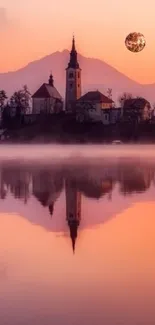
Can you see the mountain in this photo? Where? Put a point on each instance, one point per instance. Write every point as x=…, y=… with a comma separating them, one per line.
x=96, y=74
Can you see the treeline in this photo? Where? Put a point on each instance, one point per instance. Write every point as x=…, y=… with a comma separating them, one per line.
x=13, y=109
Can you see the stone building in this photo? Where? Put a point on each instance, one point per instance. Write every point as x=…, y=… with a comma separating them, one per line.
x=96, y=107
x=47, y=99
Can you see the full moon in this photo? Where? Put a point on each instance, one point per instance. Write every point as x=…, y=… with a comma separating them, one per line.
x=135, y=42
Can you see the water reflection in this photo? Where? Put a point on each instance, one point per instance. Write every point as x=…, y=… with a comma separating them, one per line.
x=47, y=187
x=110, y=278
x=99, y=181
x=94, y=181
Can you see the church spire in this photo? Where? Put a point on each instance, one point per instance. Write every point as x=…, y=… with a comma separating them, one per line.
x=51, y=81
x=73, y=225
x=51, y=208
x=73, y=63
x=73, y=244
x=73, y=44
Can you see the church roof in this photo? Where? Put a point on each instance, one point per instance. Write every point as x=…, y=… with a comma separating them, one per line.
x=95, y=96
x=47, y=91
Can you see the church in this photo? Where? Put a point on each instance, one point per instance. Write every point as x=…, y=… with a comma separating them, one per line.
x=91, y=106
x=47, y=99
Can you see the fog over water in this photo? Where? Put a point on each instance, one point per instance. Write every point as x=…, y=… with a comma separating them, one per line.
x=57, y=152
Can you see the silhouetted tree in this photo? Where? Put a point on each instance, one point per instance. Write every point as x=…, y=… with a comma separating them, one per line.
x=109, y=93
x=3, y=98
x=7, y=117
x=18, y=105
x=21, y=100
x=124, y=97
x=153, y=110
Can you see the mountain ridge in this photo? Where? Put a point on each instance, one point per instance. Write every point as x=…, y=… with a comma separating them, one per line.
x=96, y=74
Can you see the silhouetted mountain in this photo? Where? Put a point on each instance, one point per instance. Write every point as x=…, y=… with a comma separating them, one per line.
x=96, y=74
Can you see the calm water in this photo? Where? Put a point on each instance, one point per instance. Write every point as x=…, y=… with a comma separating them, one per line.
x=77, y=240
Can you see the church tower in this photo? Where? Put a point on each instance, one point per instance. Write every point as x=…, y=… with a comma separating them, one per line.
x=73, y=209
x=73, y=80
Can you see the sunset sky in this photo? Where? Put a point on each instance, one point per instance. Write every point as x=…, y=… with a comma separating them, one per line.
x=32, y=29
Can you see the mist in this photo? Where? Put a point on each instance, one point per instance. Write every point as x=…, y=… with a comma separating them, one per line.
x=73, y=153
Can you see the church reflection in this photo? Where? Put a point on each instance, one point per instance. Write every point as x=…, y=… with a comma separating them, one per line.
x=93, y=182
x=135, y=180
x=47, y=187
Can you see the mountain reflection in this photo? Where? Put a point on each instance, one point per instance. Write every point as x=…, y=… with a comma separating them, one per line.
x=92, y=181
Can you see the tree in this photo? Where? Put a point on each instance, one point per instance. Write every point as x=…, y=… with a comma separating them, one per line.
x=124, y=97
x=21, y=100
x=27, y=96
x=19, y=104
x=109, y=93
x=6, y=117
x=3, y=98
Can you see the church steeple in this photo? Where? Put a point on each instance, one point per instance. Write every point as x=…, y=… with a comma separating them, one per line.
x=73, y=44
x=73, y=80
x=73, y=63
x=50, y=81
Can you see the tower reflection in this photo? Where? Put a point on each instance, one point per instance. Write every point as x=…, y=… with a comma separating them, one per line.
x=73, y=209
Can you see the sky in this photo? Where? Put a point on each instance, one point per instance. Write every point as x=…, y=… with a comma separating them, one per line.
x=30, y=30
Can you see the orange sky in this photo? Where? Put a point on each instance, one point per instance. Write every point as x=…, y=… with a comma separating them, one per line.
x=32, y=29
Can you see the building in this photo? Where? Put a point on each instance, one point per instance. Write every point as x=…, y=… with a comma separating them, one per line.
x=115, y=115
x=73, y=209
x=138, y=109
x=95, y=106
x=73, y=80
x=47, y=99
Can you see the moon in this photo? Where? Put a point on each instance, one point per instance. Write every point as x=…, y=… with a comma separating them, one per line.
x=135, y=42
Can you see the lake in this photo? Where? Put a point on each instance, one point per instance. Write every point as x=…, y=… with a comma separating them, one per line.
x=77, y=235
